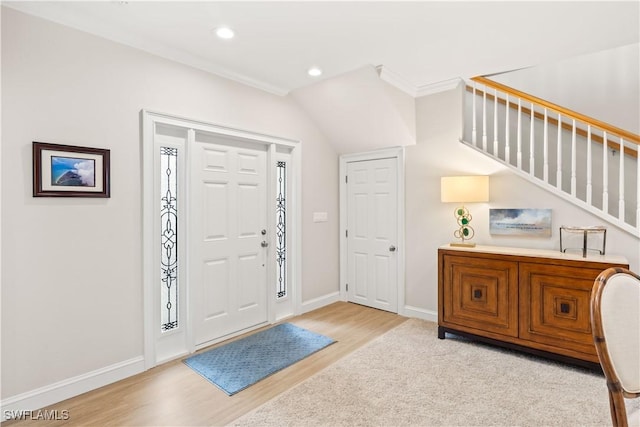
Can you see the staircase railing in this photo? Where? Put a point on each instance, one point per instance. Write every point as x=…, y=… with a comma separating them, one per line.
x=586, y=161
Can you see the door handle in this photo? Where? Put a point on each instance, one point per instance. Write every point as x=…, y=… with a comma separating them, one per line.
x=264, y=244
x=392, y=248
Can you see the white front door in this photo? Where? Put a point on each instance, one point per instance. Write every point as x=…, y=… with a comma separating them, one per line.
x=372, y=262
x=208, y=192
x=228, y=203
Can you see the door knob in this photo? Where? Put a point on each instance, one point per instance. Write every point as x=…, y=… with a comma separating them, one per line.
x=392, y=248
x=264, y=244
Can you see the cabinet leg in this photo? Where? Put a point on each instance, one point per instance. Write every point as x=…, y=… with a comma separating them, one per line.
x=441, y=332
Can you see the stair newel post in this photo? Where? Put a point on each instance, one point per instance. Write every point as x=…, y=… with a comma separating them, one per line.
x=559, y=155
x=532, y=159
x=605, y=173
x=484, y=120
x=545, y=147
x=474, y=138
x=589, y=163
x=519, y=153
x=573, y=158
x=507, y=150
x=621, y=183
x=495, y=123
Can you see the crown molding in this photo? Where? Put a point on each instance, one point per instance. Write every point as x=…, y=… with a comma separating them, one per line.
x=396, y=80
x=407, y=87
x=212, y=68
x=240, y=78
x=438, y=87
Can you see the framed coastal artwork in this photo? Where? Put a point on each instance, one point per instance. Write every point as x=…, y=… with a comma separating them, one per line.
x=70, y=171
x=520, y=222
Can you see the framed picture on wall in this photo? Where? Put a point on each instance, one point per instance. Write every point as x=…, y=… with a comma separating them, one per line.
x=70, y=171
x=520, y=222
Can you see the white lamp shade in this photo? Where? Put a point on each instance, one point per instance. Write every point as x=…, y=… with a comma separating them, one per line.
x=464, y=189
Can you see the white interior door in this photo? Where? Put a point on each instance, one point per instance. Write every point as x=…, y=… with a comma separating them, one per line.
x=372, y=203
x=228, y=203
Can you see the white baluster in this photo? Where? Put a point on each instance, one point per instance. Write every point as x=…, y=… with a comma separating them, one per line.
x=559, y=167
x=605, y=173
x=484, y=119
x=532, y=153
x=474, y=140
x=545, y=169
x=589, y=161
x=621, y=183
x=495, y=122
x=519, y=153
x=507, y=150
x=573, y=159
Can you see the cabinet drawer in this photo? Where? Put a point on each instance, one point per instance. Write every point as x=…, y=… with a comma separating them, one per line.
x=554, y=306
x=481, y=293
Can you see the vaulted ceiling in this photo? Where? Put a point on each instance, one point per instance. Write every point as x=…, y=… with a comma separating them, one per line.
x=417, y=43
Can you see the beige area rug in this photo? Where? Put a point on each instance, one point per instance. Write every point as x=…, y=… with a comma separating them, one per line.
x=408, y=377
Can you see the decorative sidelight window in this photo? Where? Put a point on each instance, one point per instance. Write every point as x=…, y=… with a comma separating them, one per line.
x=169, y=238
x=281, y=227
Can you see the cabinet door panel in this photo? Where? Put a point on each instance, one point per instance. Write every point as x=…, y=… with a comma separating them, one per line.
x=554, y=306
x=482, y=294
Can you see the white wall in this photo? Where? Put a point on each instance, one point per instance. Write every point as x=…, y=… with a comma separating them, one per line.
x=359, y=112
x=71, y=278
x=603, y=85
x=430, y=223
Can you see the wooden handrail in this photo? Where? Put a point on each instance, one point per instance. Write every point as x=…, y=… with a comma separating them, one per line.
x=626, y=135
x=565, y=125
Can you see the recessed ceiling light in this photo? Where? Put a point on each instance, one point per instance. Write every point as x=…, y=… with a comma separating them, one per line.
x=225, y=33
x=314, y=71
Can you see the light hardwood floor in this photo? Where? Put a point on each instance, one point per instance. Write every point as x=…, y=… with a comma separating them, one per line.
x=174, y=395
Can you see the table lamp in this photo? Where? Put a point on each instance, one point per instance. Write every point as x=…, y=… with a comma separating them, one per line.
x=464, y=189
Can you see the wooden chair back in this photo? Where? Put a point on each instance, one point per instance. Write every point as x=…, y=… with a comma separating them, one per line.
x=615, y=323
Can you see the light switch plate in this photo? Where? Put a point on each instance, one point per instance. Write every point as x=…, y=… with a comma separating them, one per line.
x=319, y=217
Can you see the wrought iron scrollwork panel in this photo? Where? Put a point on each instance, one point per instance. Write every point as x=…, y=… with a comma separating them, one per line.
x=281, y=228
x=169, y=238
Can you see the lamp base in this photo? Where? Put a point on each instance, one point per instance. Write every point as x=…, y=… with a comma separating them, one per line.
x=463, y=245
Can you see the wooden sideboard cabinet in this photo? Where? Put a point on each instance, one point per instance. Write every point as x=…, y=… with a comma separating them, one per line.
x=528, y=299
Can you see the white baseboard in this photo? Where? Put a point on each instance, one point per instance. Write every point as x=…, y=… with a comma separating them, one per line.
x=408, y=311
x=283, y=317
x=65, y=389
x=421, y=313
x=316, y=303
